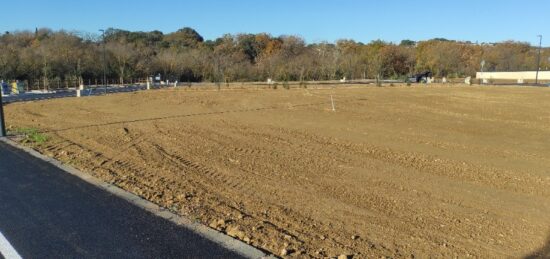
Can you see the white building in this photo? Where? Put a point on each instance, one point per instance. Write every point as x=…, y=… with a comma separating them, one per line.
x=519, y=76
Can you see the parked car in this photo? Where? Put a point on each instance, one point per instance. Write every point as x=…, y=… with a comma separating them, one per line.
x=421, y=77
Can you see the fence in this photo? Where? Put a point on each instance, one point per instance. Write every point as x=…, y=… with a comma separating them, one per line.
x=70, y=84
x=61, y=84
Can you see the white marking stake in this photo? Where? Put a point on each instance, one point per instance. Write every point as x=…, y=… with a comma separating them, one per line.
x=7, y=250
x=332, y=101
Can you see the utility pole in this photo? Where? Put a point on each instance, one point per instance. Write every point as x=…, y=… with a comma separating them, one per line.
x=538, y=60
x=104, y=62
x=2, y=123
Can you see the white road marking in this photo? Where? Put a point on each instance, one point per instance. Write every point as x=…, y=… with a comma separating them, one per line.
x=7, y=250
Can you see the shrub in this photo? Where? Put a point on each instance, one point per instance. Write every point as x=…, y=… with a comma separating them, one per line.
x=286, y=85
x=32, y=136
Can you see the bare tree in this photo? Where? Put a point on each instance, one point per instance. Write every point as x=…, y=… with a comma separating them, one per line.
x=124, y=56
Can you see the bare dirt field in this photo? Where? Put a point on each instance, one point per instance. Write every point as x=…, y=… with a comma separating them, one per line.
x=395, y=171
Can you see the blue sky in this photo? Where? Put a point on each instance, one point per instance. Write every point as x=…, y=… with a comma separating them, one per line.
x=315, y=20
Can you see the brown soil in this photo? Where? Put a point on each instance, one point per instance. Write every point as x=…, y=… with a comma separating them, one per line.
x=394, y=171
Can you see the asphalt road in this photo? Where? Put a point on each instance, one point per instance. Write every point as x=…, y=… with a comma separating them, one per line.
x=48, y=213
x=69, y=93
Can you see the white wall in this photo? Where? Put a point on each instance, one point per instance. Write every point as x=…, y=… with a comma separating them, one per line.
x=526, y=75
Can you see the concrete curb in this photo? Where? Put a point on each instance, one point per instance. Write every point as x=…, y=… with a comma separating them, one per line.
x=219, y=238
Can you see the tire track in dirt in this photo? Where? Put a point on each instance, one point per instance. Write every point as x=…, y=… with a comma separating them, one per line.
x=237, y=184
x=499, y=178
x=406, y=223
x=240, y=185
x=341, y=194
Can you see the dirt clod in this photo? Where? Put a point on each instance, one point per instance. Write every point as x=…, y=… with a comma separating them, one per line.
x=285, y=252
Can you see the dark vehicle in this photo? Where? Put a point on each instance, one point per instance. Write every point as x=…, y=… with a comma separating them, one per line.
x=420, y=78
x=5, y=88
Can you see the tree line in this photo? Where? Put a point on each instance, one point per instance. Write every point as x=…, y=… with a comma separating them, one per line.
x=45, y=55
